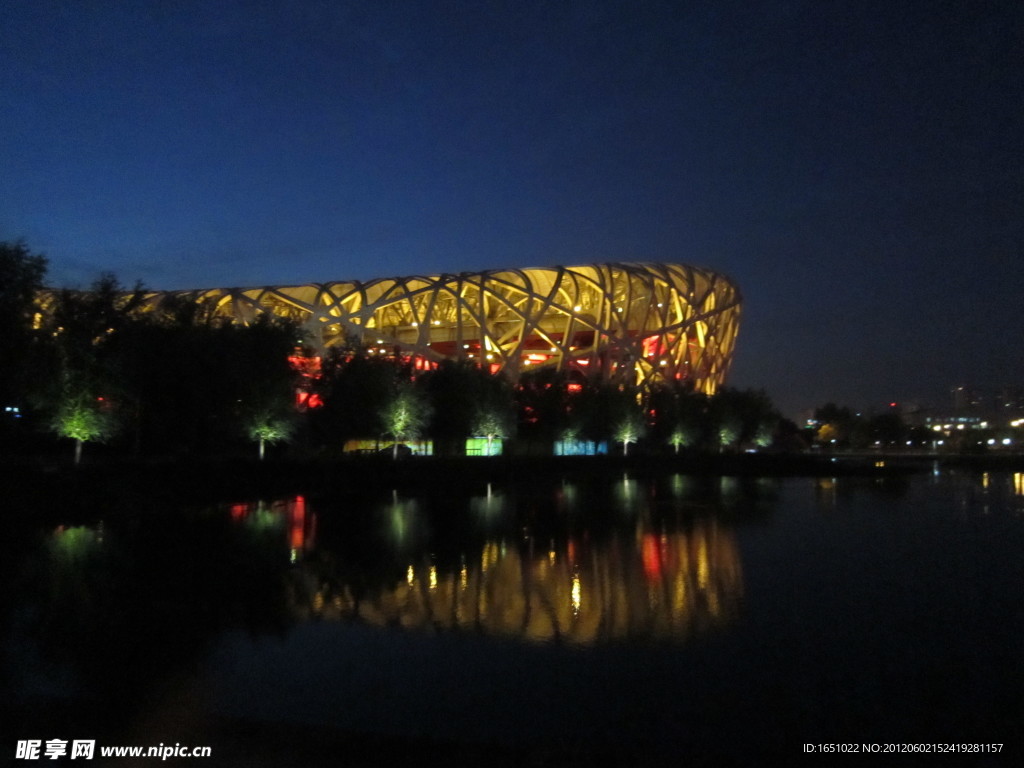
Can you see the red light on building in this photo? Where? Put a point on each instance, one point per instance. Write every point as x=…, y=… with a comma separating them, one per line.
x=309, y=367
x=305, y=399
x=650, y=346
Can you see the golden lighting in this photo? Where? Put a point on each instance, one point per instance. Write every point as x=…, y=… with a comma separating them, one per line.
x=1018, y=483
x=512, y=313
x=671, y=586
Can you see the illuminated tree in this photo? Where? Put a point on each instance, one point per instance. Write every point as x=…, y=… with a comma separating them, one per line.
x=83, y=419
x=682, y=436
x=764, y=436
x=405, y=414
x=265, y=426
x=742, y=417
x=678, y=414
x=355, y=389
x=628, y=429
x=728, y=433
x=492, y=421
x=85, y=378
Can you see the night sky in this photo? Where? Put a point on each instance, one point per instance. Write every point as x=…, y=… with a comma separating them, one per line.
x=857, y=167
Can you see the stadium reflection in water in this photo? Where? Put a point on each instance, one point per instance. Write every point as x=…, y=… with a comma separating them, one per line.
x=636, y=578
x=684, y=617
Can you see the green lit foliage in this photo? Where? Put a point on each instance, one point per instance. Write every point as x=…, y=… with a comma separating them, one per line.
x=266, y=426
x=494, y=421
x=460, y=392
x=83, y=419
x=764, y=436
x=682, y=436
x=355, y=388
x=86, y=379
x=493, y=414
x=742, y=417
x=195, y=383
x=405, y=414
x=263, y=379
x=728, y=433
x=628, y=429
x=606, y=409
x=679, y=415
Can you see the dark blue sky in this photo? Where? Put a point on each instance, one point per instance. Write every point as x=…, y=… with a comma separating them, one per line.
x=857, y=167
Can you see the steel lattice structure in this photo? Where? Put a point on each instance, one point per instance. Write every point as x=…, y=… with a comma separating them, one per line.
x=645, y=321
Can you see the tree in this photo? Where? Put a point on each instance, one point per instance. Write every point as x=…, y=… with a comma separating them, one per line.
x=543, y=404
x=193, y=382
x=405, y=414
x=86, y=384
x=728, y=433
x=628, y=429
x=354, y=388
x=607, y=409
x=455, y=391
x=682, y=436
x=678, y=414
x=742, y=417
x=266, y=426
x=21, y=279
x=83, y=418
x=492, y=420
x=264, y=381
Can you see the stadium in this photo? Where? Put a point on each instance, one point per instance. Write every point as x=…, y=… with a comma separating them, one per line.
x=641, y=323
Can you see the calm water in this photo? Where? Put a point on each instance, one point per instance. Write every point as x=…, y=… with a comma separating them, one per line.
x=683, y=618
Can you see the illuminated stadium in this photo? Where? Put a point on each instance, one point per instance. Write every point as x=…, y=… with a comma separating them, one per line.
x=639, y=322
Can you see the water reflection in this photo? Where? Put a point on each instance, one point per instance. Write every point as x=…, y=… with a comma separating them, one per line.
x=664, y=585
x=111, y=607
x=500, y=565
x=141, y=599
x=267, y=518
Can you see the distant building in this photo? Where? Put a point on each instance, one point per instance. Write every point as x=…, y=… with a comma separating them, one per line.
x=968, y=399
x=639, y=322
x=997, y=405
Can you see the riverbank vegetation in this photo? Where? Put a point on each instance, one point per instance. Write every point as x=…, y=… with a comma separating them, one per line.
x=90, y=374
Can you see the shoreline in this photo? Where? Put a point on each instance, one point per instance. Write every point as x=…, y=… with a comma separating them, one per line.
x=43, y=484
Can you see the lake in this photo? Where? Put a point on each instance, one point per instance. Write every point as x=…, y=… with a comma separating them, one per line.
x=649, y=621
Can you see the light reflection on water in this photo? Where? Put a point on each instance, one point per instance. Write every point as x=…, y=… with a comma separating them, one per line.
x=857, y=596
x=664, y=585
x=635, y=580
